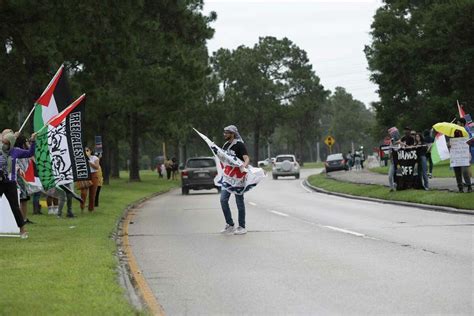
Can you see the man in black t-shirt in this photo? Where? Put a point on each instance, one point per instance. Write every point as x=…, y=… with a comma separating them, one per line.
x=408, y=139
x=235, y=146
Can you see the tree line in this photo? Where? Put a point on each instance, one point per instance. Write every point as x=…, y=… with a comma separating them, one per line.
x=149, y=79
x=422, y=59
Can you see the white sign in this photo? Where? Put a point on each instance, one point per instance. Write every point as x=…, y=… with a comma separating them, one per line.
x=7, y=220
x=459, y=152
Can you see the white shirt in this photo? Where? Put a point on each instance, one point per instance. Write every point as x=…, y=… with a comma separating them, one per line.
x=94, y=160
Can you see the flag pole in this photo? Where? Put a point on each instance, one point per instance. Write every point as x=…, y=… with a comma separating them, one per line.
x=26, y=120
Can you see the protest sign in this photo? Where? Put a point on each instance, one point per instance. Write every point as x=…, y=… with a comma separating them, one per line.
x=407, y=174
x=459, y=152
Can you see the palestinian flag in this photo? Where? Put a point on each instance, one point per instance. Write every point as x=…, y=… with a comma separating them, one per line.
x=439, y=149
x=54, y=98
x=60, y=157
x=31, y=178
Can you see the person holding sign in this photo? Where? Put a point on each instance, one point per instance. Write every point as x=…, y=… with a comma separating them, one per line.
x=8, y=186
x=460, y=160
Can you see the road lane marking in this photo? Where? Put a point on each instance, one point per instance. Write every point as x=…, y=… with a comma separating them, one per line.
x=252, y=203
x=344, y=231
x=279, y=213
x=304, y=187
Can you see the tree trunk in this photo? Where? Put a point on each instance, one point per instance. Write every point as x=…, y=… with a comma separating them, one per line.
x=114, y=160
x=134, y=174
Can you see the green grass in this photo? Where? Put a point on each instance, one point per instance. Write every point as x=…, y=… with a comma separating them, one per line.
x=440, y=170
x=68, y=266
x=434, y=197
x=312, y=165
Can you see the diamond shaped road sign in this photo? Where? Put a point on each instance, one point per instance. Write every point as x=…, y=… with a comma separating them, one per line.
x=329, y=140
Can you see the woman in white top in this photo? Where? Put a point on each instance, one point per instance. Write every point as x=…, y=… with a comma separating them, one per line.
x=94, y=166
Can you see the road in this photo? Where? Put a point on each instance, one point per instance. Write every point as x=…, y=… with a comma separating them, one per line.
x=305, y=254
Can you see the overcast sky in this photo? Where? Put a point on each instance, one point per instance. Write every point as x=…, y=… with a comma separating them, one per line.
x=333, y=33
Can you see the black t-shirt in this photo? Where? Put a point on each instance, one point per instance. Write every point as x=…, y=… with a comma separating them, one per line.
x=238, y=149
x=423, y=149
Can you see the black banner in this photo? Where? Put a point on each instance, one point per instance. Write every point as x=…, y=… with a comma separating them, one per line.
x=406, y=164
x=75, y=131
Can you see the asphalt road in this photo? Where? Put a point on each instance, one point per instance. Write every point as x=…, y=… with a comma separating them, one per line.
x=305, y=254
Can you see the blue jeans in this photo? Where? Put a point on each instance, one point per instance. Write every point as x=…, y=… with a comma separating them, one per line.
x=239, y=199
x=391, y=175
x=424, y=171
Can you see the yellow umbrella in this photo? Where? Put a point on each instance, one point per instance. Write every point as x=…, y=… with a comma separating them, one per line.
x=449, y=128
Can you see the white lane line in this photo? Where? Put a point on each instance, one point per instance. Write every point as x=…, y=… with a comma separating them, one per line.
x=344, y=231
x=279, y=213
x=252, y=203
x=304, y=187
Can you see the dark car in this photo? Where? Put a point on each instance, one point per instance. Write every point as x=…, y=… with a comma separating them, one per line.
x=335, y=162
x=199, y=174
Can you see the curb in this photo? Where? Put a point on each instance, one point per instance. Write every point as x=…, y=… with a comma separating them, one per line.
x=138, y=291
x=427, y=207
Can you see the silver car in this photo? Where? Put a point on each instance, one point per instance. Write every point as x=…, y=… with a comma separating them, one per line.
x=285, y=165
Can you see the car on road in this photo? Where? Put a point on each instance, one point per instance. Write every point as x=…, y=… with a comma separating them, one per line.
x=266, y=162
x=335, y=162
x=199, y=174
x=285, y=165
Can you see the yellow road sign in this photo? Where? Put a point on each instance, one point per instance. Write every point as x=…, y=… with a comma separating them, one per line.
x=329, y=140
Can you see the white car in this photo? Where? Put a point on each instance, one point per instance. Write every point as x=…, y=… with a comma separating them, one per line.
x=285, y=165
x=266, y=162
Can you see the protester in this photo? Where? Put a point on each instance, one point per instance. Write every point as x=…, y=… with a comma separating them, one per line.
x=350, y=160
x=36, y=203
x=65, y=197
x=94, y=166
x=234, y=146
x=23, y=164
x=429, y=141
x=99, y=184
x=8, y=186
x=408, y=139
x=392, y=171
x=52, y=201
x=422, y=160
x=169, y=168
x=461, y=171
x=357, y=160
x=462, y=122
x=174, y=168
x=158, y=169
x=362, y=157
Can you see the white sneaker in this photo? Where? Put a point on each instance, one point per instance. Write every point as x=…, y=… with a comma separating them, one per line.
x=228, y=229
x=240, y=231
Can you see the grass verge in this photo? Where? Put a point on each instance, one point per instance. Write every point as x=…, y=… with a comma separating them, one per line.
x=434, y=197
x=68, y=266
x=440, y=170
x=312, y=165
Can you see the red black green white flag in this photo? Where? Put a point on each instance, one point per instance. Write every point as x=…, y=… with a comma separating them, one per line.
x=60, y=157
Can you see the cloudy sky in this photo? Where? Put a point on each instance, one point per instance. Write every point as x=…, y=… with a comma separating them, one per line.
x=333, y=33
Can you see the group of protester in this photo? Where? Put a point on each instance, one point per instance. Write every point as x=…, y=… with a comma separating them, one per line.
x=356, y=160
x=423, y=143
x=17, y=155
x=169, y=169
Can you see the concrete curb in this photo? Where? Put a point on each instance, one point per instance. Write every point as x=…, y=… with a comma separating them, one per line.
x=428, y=207
x=138, y=291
